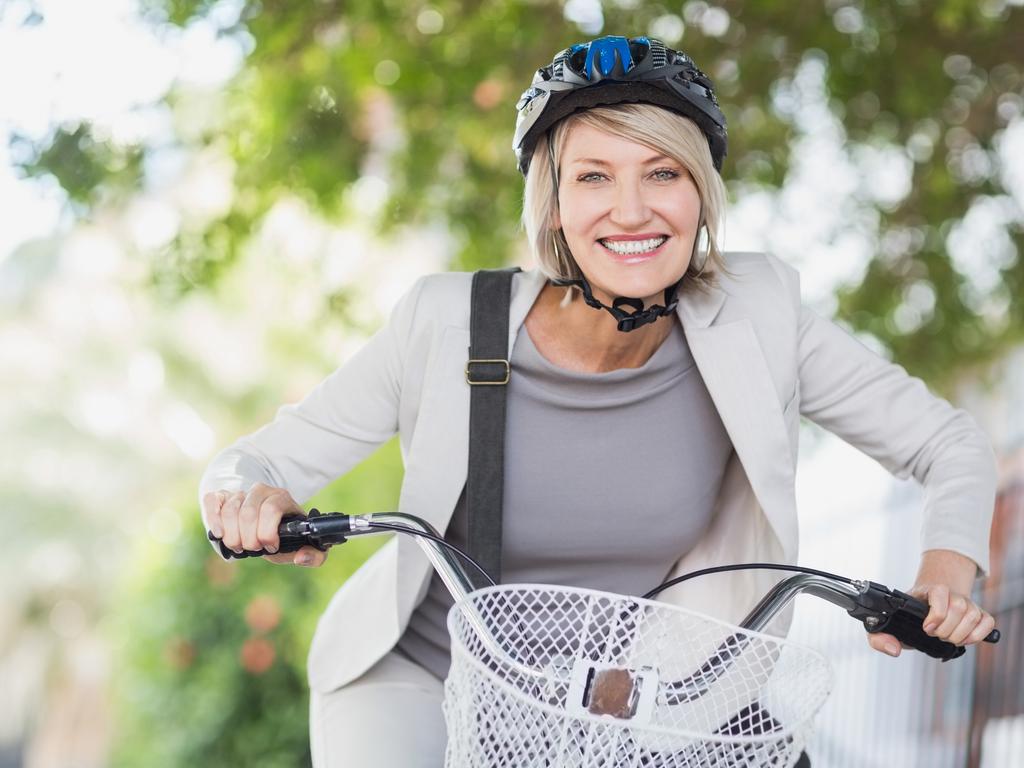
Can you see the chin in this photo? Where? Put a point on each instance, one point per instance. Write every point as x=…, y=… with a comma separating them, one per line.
x=650, y=288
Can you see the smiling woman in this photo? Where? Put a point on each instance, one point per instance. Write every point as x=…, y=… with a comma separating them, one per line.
x=645, y=445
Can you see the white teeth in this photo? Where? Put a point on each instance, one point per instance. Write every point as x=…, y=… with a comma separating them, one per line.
x=633, y=246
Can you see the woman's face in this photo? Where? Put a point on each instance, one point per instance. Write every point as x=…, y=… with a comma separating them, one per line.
x=629, y=214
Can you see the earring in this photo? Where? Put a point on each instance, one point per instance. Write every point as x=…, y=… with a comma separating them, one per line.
x=563, y=260
x=696, y=247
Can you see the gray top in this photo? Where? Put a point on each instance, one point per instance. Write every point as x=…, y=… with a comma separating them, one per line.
x=609, y=479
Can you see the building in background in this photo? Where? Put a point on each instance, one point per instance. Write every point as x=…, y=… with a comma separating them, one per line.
x=914, y=711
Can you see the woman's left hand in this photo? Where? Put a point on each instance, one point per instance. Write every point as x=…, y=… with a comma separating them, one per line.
x=944, y=581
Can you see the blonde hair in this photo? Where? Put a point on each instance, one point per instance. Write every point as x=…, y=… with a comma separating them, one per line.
x=667, y=132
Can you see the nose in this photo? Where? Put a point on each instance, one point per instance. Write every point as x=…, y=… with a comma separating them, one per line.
x=630, y=208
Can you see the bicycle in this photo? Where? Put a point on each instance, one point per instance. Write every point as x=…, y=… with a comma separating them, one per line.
x=549, y=676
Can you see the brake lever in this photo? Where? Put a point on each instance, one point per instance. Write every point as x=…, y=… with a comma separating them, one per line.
x=882, y=609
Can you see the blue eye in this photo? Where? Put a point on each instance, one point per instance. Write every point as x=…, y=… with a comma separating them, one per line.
x=662, y=174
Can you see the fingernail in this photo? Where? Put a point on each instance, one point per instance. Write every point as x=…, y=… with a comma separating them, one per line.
x=892, y=649
x=271, y=550
x=218, y=533
x=304, y=559
x=929, y=628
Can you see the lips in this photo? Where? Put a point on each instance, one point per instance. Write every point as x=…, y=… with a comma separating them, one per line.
x=633, y=254
x=640, y=236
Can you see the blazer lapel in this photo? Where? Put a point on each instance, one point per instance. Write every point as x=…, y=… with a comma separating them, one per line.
x=526, y=286
x=732, y=363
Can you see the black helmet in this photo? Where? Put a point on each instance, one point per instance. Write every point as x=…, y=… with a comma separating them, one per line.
x=616, y=70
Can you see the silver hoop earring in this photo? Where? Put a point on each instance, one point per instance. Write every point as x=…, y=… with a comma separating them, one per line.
x=703, y=264
x=558, y=251
x=696, y=247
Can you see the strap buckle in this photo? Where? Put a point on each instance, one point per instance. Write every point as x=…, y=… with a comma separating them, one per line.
x=488, y=377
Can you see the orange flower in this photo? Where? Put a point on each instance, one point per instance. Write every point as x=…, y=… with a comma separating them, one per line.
x=219, y=572
x=263, y=613
x=488, y=93
x=257, y=655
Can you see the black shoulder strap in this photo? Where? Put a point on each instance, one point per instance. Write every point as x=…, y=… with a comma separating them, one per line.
x=487, y=372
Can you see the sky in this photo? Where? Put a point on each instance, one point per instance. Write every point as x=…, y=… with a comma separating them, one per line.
x=96, y=62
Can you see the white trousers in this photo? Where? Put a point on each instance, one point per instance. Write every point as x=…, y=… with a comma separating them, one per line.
x=389, y=717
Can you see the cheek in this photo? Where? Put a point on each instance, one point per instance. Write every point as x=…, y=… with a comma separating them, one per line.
x=576, y=216
x=565, y=211
x=691, y=204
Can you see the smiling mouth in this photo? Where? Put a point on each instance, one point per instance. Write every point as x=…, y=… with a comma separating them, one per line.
x=633, y=247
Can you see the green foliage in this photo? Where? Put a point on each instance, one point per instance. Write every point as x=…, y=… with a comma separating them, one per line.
x=212, y=657
x=422, y=95
x=90, y=169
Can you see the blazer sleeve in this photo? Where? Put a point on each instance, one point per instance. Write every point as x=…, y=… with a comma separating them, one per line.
x=877, y=407
x=344, y=419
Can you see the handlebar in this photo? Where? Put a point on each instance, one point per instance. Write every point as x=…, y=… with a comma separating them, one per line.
x=876, y=606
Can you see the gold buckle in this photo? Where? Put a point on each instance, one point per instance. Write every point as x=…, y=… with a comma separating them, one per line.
x=499, y=361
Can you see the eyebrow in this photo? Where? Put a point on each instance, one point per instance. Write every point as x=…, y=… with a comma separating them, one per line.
x=605, y=163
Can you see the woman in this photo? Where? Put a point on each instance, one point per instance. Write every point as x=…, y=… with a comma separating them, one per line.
x=681, y=414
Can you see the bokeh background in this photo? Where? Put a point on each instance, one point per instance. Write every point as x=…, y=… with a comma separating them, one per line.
x=206, y=206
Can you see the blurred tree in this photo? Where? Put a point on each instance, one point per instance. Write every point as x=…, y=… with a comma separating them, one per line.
x=213, y=653
x=85, y=166
x=420, y=96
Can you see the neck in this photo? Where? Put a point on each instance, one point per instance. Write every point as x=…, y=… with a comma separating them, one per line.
x=576, y=336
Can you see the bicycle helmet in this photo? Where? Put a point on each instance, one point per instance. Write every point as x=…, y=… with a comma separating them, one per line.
x=615, y=70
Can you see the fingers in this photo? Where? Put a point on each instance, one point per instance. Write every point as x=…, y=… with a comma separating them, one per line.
x=981, y=631
x=951, y=616
x=969, y=619
x=248, y=520
x=249, y=517
x=954, y=617
x=937, y=598
x=275, y=505
x=310, y=557
x=212, y=502
x=229, y=521
x=260, y=514
x=884, y=643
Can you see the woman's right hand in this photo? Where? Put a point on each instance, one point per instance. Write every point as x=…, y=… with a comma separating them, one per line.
x=249, y=519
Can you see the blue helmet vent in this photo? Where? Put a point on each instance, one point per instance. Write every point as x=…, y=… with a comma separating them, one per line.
x=607, y=50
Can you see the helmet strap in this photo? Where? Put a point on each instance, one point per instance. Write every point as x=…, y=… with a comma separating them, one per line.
x=628, y=321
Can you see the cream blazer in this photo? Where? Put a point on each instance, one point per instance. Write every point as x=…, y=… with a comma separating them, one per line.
x=766, y=361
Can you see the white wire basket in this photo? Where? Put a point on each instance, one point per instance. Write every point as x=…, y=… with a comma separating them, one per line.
x=570, y=678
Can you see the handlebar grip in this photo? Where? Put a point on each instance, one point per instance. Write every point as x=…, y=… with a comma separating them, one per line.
x=290, y=541
x=905, y=623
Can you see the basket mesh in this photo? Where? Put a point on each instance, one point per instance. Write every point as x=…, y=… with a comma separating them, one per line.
x=725, y=697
